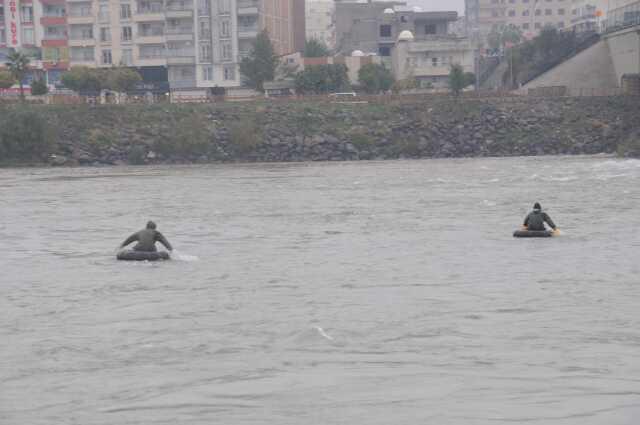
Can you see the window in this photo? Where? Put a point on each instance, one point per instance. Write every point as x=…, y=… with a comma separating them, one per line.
x=105, y=34
x=404, y=19
x=207, y=73
x=225, y=29
x=205, y=53
x=385, y=30
x=103, y=12
x=538, y=12
x=1, y=13
x=434, y=61
x=26, y=14
x=561, y=12
x=106, y=57
x=229, y=73
x=512, y=13
x=560, y=24
x=126, y=34
x=525, y=26
x=3, y=36
x=226, y=51
x=125, y=11
x=384, y=51
x=538, y=25
x=28, y=36
x=127, y=57
x=525, y=12
x=86, y=33
x=430, y=29
x=224, y=7
x=548, y=12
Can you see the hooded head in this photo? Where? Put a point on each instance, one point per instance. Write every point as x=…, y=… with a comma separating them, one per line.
x=537, y=207
x=151, y=225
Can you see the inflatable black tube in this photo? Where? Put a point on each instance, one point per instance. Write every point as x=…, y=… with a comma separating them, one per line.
x=532, y=234
x=131, y=255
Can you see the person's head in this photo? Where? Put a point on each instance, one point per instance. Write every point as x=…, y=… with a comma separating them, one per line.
x=151, y=225
x=537, y=207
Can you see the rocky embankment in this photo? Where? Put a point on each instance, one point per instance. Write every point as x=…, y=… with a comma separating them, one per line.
x=301, y=131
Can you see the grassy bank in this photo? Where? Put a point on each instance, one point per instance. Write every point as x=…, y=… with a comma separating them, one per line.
x=261, y=131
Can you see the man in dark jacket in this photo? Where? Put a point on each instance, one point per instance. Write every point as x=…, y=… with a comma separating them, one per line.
x=536, y=219
x=147, y=239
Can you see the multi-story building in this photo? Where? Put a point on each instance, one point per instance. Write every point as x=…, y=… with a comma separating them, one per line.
x=528, y=15
x=39, y=28
x=320, y=21
x=191, y=44
x=412, y=42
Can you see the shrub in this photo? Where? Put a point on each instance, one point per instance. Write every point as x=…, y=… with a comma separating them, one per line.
x=39, y=88
x=24, y=135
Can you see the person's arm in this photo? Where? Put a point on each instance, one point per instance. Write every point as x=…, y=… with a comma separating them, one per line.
x=526, y=222
x=129, y=240
x=549, y=221
x=160, y=238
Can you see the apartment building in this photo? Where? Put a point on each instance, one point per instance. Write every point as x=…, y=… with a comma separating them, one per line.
x=39, y=28
x=528, y=15
x=182, y=45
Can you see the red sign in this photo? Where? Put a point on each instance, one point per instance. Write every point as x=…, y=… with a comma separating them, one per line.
x=13, y=22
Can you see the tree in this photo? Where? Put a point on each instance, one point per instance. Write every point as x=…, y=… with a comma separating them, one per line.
x=375, y=78
x=121, y=79
x=314, y=48
x=261, y=64
x=318, y=79
x=457, y=80
x=18, y=64
x=6, y=79
x=469, y=78
x=83, y=79
x=39, y=87
x=500, y=38
x=408, y=83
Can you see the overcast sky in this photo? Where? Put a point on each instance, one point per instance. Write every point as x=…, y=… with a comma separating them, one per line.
x=427, y=5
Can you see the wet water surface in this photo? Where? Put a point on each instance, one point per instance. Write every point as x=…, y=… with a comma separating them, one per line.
x=341, y=293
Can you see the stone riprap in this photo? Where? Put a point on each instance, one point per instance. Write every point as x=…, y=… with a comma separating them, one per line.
x=305, y=131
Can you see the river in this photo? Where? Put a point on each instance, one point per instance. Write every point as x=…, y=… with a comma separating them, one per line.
x=369, y=293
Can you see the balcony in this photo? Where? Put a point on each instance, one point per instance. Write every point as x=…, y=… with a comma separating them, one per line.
x=48, y=21
x=247, y=31
x=149, y=15
x=179, y=34
x=181, y=57
x=179, y=13
x=150, y=38
x=247, y=7
x=82, y=42
x=80, y=17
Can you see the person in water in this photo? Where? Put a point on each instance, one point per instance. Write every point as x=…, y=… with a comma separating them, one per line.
x=147, y=239
x=536, y=219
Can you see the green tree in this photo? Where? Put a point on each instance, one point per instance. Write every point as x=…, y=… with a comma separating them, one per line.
x=375, y=78
x=18, y=64
x=314, y=48
x=121, y=79
x=319, y=79
x=457, y=80
x=6, y=79
x=39, y=87
x=261, y=64
x=83, y=79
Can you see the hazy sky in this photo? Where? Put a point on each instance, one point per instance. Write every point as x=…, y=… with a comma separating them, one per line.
x=427, y=5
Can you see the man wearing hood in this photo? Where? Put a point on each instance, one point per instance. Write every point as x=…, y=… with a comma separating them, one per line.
x=147, y=239
x=536, y=219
